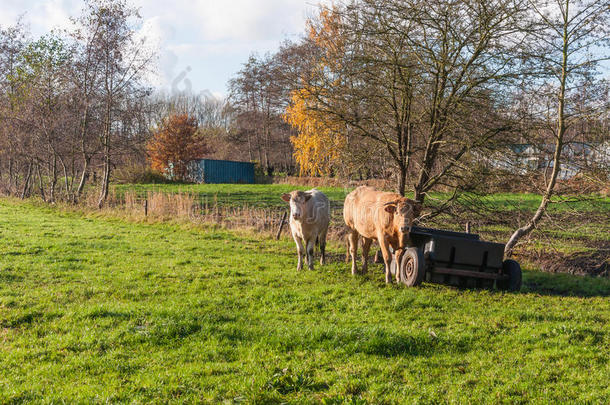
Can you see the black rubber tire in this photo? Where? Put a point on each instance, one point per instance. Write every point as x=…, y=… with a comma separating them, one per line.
x=512, y=269
x=412, y=267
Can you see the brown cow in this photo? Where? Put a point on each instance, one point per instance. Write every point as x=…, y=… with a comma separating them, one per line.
x=377, y=215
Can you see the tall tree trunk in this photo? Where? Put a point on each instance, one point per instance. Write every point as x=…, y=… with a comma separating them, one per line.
x=41, y=183
x=26, y=182
x=105, y=181
x=106, y=141
x=424, y=171
x=53, y=179
x=402, y=168
x=11, y=173
x=66, y=179
x=83, y=177
x=561, y=128
x=402, y=179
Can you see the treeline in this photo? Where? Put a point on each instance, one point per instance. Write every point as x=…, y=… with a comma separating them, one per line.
x=434, y=95
x=433, y=90
x=429, y=94
x=72, y=104
x=75, y=106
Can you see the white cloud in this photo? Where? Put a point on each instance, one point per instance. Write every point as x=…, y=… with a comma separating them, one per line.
x=51, y=14
x=212, y=37
x=235, y=20
x=250, y=20
x=158, y=35
x=41, y=15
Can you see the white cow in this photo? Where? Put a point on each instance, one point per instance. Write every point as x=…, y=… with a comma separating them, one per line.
x=309, y=219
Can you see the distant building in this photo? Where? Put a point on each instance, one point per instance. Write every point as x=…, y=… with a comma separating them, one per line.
x=601, y=155
x=576, y=156
x=212, y=171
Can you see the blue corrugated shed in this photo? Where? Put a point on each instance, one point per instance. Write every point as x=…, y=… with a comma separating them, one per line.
x=212, y=171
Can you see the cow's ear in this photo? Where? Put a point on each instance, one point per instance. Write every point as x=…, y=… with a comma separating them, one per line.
x=390, y=208
x=286, y=197
x=307, y=196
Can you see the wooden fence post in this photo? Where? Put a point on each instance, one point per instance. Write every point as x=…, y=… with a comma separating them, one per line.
x=146, y=207
x=279, y=231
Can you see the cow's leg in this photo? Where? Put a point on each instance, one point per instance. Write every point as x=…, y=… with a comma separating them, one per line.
x=347, y=248
x=366, y=245
x=310, y=246
x=322, y=241
x=398, y=257
x=387, y=257
x=300, y=251
x=353, y=249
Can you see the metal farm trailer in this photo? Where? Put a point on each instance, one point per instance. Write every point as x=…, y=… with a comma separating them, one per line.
x=456, y=258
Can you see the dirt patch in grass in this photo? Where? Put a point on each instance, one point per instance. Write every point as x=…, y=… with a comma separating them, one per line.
x=592, y=263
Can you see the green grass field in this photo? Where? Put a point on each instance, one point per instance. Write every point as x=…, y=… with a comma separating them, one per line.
x=268, y=195
x=576, y=232
x=97, y=309
x=254, y=195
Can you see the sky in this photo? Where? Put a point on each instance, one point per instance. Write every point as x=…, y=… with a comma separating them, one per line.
x=201, y=43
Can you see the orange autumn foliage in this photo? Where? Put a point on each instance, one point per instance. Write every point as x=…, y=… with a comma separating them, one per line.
x=319, y=144
x=175, y=143
x=321, y=141
x=327, y=35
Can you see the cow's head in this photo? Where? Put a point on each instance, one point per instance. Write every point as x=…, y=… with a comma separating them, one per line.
x=297, y=201
x=404, y=212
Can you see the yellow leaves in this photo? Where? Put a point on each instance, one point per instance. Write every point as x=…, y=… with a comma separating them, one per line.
x=328, y=27
x=321, y=140
x=326, y=33
x=319, y=144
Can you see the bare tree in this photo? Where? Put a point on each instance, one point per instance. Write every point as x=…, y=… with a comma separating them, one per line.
x=71, y=104
x=12, y=42
x=569, y=30
x=257, y=98
x=43, y=82
x=414, y=76
x=112, y=62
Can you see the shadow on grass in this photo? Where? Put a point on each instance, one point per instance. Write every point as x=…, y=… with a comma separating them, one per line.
x=28, y=319
x=567, y=285
x=376, y=341
x=10, y=277
x=558, y=284
x=537, y=282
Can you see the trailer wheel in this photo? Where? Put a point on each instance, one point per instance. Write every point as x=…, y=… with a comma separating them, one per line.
x=512, y=269
x=412, y=267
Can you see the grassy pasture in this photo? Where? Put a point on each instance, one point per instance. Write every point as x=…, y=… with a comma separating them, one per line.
x=97, y=309
x=268, y=195
x=576, y=237
x=254, y=195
